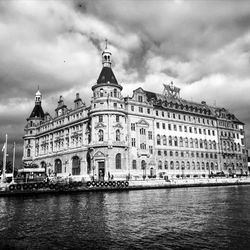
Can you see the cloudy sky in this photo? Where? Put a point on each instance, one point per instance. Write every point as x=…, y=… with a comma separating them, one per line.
x=202, y=46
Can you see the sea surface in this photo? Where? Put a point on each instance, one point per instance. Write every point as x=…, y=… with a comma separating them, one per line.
x=184, y=218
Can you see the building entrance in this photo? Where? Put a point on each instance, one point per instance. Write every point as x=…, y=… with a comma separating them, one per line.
x=101, y=170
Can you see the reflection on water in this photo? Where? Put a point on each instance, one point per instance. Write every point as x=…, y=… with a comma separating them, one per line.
x=191, y=218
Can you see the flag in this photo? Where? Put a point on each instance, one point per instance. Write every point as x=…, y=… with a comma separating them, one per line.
x=3, y=147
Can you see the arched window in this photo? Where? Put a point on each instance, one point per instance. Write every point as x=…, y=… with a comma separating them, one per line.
x=203, y=166
x=177, y=164
x=205, y=144
x=117, y=135
x=207, y=166
x=160, y=165
x=214, y=144
x=212, y=166
x=118, y=162
x=182, y=165
x=134, y=164
x=171, y=165
x=175, y=142
x=181, y=142
x=210, y=144
x=170, y=141
x=166, y=165
x=201, y=143
x=198, y=166
x=100, y=135
x=28, y=152
x=193, y=165
x=115, y=92
x=196, y=143
x=143, y=164
x=158, y=140
x=58, y=166
x=191, y=143
x=164, y=140
x=76, y=165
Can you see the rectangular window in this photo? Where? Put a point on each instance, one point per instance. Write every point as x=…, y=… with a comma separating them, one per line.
x=157, y=125
x=195, y=130
x=173, y=116
x=162, y=113
x=163, y=126
x=190, y=129
x=151, y=150
x=208, y=131
x=165, y=153
x=140, y=109
x=140, y=99
x=175, y=127
x=133, y=142
x=169, y=126
x=100, y=118
x=204, y=131
x=133, y=126
x=200, y=131
x=132, y=108
x=156, y=112
x=185, y=128
x=159, y=152
x=214, y=133
x=180, y=128
x=150, y=136
x=115, y=105
x=117, y=118
x=148, y=110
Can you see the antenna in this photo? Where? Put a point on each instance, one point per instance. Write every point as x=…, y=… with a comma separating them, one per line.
x=106, y=41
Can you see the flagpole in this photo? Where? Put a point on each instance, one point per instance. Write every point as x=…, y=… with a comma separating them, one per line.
x=4, y=159
x=14, y=155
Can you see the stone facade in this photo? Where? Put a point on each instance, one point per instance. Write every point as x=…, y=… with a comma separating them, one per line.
x=148, y=134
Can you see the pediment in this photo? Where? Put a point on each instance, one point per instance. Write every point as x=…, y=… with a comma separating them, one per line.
x=99, y=154
x=118, y=125
x=100, y=125
x=143, y=122
x=139, y=90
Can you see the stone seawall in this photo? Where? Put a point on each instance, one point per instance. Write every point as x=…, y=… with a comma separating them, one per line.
x=127, y=185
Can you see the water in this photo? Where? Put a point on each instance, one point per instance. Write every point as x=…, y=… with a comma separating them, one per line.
x=187, y=218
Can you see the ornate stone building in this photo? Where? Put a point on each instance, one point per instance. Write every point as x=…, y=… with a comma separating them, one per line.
x=148, y=134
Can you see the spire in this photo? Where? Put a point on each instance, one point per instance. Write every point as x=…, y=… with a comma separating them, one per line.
x=37, y=111
x=38, y=98
x=106, y=56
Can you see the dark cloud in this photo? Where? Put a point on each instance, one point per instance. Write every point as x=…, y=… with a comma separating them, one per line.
x=203, y=46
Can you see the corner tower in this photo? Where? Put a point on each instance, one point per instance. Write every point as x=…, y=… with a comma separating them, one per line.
x=108, y=123
x=34, y=120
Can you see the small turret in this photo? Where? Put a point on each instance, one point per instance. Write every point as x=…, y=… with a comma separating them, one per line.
x=37, y=111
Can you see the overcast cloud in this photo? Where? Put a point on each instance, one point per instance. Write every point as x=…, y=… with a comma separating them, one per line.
x=203, y=46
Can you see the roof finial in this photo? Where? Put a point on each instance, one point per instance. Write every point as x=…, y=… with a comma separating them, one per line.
x=106, y=41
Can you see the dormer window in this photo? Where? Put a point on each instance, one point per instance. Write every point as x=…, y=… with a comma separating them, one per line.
x=140, y=99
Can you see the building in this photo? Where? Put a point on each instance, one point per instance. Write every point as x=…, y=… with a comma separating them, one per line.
x=148, y=134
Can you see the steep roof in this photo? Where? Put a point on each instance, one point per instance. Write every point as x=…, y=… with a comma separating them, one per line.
x=107, y=76
x=37, y=112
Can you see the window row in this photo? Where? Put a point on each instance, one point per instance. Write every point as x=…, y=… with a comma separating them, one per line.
x=185, y=142
x=179, y=165
x=101, y=135
x=184, y=128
